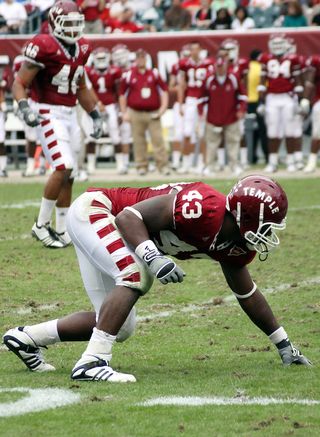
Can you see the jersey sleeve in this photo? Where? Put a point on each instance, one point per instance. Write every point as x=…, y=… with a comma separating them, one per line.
x=37, y=50
x=199, y=211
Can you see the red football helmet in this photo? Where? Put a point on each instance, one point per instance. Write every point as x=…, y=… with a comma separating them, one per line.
x=259, y=206
x=120, y=56
x=101, y=58
x=66, y=22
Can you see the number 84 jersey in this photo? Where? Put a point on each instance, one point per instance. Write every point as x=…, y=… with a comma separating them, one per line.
x=57, y=81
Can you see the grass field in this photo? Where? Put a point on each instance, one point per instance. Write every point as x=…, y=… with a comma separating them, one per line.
x=193, y=340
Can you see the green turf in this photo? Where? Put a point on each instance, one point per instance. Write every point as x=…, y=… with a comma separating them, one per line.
x=213, y=350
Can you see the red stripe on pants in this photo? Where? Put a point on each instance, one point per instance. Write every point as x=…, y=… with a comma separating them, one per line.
x=95, y=217
x=125, y=262
x=106, y=230
x=135, y=277
x=115, y=245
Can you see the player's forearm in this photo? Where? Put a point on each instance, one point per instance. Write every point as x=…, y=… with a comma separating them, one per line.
x=258, y=310
x=123, y=104
x=132, y=228
x=164, y=102
x=19, y=91
x=87, y=99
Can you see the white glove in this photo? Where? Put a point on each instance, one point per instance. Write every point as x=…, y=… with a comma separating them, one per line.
x=261, y=110
x=30, y=117
x=304, y=106
x=162, y=267
x=97, y=124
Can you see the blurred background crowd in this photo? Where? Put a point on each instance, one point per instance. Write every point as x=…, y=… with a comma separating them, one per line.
x=128, y=16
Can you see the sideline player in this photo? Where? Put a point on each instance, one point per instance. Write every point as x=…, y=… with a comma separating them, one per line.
x=54, y=73
x=281, y=78
x=122, y=236
x=104, y=79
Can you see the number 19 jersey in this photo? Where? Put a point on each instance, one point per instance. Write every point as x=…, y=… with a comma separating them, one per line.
x=57, y=81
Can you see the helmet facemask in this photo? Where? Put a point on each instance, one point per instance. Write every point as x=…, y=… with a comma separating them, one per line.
x=69, y=28
x=101, y=60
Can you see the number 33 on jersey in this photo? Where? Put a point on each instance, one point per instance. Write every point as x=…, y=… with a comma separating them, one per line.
x=57, y=81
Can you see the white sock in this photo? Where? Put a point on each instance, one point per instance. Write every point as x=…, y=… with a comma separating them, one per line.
x=200, y=161
x=243, y=156
x=61, y=215
x=290, y=159
x=42, y=161
x=119, y=161
x=273, y=159
x=46, y=210
x=44, y=333
x=30, y=164
x=312, y=160
x=298, y=156
x=221, y=157
x=125, y=157
x=176, y=156
x=91, y=160
x=100, y=345
x=187, y=161
x=3, y=162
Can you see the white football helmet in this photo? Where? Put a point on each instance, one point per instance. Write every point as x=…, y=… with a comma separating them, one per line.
x=66, y=22
x=278, y=44
x=231, y=46
x=120, y=56
x=101, y=58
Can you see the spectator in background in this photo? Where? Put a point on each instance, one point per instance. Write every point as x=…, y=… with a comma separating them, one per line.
x=223, y=20
x=242, y=21
x=177, y=18
x=294, y=16
x=143, y=100
x=230, y=5
x=205, y=15
x=124, y=23
x=261, y=4
x=15, y=15
x=42, y=5
x=315, y=20
x=117, y=7
x=91, y=10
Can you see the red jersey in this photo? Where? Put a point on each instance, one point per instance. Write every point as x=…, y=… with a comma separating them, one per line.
x=280, y=72
x=104, y=83
x=314, y=62
x=57, y=81
x=142, y=89
x=195, y=73
x=225, y=99
x=198, y=215
x=91, y=10
x=240, y=68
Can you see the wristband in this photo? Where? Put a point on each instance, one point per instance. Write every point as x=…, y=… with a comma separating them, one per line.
x=23, y=104
x=147, y=251
x=95, y=114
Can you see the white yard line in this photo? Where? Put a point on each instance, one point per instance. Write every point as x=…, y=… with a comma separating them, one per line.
x=21, y=205
x=35, y=400
x=226, y=300
x=194, y=401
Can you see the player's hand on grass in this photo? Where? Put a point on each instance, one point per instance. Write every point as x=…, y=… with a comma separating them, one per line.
x=291, y=355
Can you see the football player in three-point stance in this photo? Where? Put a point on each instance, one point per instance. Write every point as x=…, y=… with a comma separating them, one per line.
x=122, y=237
x=54, y=72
